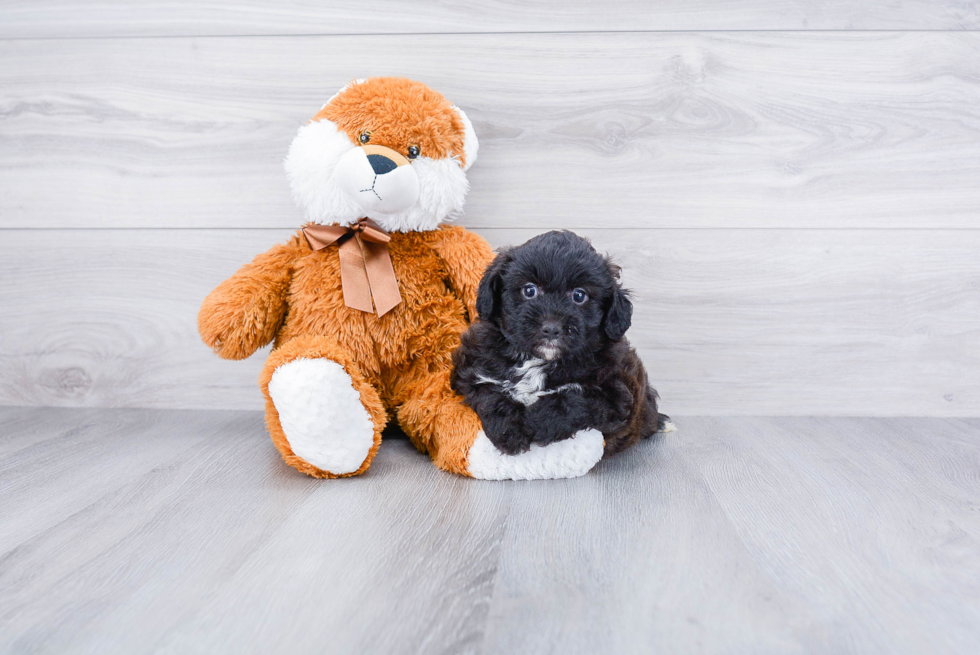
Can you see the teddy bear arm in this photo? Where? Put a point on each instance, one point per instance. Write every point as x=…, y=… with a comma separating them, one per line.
x=466, y=256
x=244, y=312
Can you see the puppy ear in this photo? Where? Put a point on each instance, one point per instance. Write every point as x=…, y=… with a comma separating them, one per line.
x=619, y=316
x=488, y=294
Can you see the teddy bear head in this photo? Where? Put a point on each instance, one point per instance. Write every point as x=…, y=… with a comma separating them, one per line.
x=386, y=148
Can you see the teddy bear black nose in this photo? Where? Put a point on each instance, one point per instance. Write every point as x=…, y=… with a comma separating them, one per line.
x=381, y=164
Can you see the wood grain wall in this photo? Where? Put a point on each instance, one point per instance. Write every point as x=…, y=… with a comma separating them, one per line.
x=792, y=186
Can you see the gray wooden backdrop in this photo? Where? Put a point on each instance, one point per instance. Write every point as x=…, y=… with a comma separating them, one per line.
x=793, y=186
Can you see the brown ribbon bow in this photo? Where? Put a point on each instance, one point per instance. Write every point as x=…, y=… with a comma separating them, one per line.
x=365, y=265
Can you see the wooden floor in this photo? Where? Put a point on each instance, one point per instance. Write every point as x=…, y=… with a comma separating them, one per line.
x=137, y=531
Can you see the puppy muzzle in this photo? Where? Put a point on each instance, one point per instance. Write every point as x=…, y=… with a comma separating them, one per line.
x=378, y=179
x=550, y=334
x=549, y=349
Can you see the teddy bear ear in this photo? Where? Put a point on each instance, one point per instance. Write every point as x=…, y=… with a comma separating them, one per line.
x=359, y=80
x=470, y=145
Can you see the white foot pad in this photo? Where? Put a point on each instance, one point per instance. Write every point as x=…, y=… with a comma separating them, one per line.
x=563, y=459
x=322, y=415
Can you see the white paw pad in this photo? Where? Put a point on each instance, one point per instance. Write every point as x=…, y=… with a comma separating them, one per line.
x=322, y=415
x=570, y=458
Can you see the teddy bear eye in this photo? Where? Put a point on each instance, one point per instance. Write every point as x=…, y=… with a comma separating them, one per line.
x=365, y=137
x=413, y=152
x=530, y=290
x=579, y=296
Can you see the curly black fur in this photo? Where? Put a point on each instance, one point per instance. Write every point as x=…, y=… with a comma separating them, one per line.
x=539, y=366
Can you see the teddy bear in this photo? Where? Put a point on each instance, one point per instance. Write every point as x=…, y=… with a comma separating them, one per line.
x=366, y=303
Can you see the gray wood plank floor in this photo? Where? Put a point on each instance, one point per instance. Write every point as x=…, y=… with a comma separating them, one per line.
x=797, y=211
x=75, y=18
x=728, y=322
x=678, y=130
x=181, y=531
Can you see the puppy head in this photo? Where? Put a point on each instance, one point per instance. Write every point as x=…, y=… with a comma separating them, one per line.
x=387, y=148
x=554, y=296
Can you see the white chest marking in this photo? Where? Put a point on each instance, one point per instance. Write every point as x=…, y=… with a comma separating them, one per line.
x=529, y=386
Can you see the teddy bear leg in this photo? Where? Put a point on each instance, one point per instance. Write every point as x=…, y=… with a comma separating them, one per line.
x=323, y=415
x=438, y=422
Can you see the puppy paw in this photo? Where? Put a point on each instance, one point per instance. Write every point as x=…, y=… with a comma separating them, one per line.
x=510, y=442
x=569, y=458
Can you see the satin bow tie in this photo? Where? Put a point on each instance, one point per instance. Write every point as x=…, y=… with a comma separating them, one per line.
x=365, y=265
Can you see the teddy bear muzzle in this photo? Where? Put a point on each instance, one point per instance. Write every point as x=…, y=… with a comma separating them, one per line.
x=378, y=179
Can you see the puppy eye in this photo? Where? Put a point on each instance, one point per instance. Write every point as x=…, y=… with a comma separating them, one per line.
x=579, y=296
x=413, y=152
x=530, y=290
x=365, y=137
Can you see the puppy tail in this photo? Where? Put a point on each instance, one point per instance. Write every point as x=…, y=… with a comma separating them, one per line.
x=653, y=421
x=663, y=424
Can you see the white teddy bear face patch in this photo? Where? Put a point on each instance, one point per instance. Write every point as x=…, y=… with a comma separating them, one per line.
x=378, y=179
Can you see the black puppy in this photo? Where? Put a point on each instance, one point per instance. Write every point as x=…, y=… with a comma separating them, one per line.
x=547, y=357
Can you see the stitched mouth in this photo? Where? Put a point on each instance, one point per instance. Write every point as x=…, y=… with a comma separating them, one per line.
x=371, y=190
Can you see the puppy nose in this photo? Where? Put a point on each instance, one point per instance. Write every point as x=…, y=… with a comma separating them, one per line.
x=551, y=329
x=381, y=164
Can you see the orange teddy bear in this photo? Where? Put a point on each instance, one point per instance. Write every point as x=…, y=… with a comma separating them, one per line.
x=366, y=304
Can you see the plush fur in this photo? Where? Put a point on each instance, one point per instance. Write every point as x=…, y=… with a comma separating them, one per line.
x=548, y=357
x=337, y=375
x=570, y=458
x=398, y=113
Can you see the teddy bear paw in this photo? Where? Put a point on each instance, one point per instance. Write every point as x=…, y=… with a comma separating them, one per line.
x=569, y=458
x=321, y=414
